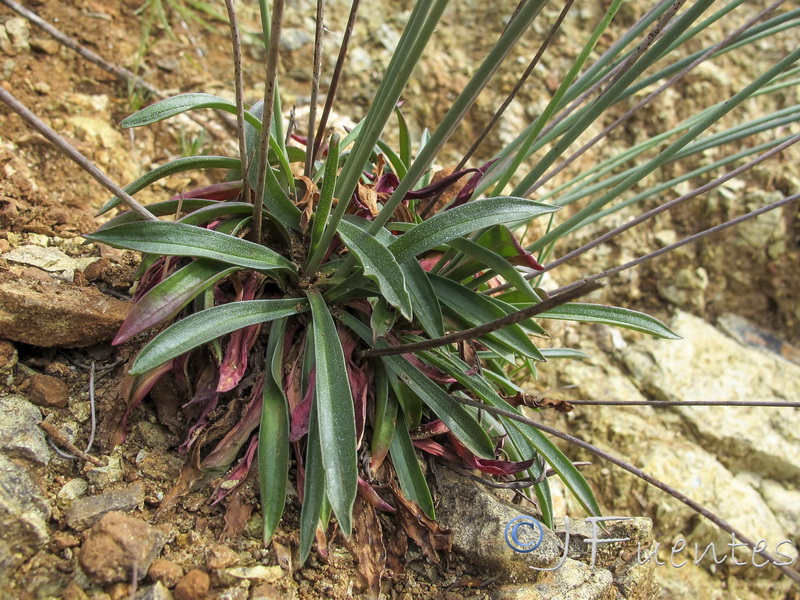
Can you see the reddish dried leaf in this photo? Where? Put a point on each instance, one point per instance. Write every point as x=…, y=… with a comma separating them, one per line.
x=366, y=545
x=429, y=536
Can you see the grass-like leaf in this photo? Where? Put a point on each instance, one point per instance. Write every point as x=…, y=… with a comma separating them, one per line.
x=409, y=473
x=160, y=209
x=171, y=295
x=334, y=402
x=313, y=488
x=611, y=315
x=379, y=265
x=182, y=103
x=179, y=165
x=423, y=299
x=178, y=239
x=208, y=325
x=385, y=419
x=465, y=219
x=273, y=435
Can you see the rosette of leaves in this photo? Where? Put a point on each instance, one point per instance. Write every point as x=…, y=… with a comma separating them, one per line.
x=327, y=326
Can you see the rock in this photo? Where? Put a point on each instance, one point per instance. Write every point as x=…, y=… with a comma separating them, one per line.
x=748, y=439
x=478, y=520
x=73, y=592
x=220, y=557
x=259, y=573
x=785, y=503
x=265, y=591
x=234, y=593
x=157, y=591
x=18, y=32
x=166, y=572
x=116, y=545
x=53, y=313
x=86, y=511
x=109, y=474
x=20, y=434
x=294, y=38
x=193, y=586
x=48, y=259
x=71, y=491
x=24, y=512
x=45, y=45
x=574, y=580
x=48, y=391
x=8, y=358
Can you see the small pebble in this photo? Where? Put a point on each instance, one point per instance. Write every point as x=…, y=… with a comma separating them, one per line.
x=48, y=391
x=165, y=571
x=193, y=586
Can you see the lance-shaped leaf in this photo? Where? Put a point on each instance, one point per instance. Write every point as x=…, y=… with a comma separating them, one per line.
x=379, y=265
x=523, y=435
x=472, y=216
x=385, y=419
x=409, y=473
x=611, y=315
x=179, y=165
x=423, y=299
x=334, y=406
x=208, y=325
x=313, y=487
x=178, y=239
x=181, y=103
x=171, y=295
x=160, y=209
x=217, y=211
x=477, y=309
x=457, y=418
x=273, y=435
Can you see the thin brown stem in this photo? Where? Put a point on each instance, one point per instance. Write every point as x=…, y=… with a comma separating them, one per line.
x=119, y=72
x=335, y=78
x=695, y=506
x=667, y=403
x=683, y=242
x=71, y=152
x=550, y=303
x=317, y=69
x=236, y=43
x=270, y=84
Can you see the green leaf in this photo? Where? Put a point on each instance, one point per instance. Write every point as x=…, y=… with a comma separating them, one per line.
x=208, y=325
x=611, y=315
x=379, y=265
x=408, y=400
x=169, y=107
x=477, y=309
x=409, y=473
x=171, y=295
x=314, y=488
x=323, y=209
x=178, y=239
x=334, y=401
x=403, y=136
x=160, y=209
x=179, y=165
x=464, y=219
x=522, y=434
x=423, y=299
x=216, y=211
x=385, y=421
x=273, y=435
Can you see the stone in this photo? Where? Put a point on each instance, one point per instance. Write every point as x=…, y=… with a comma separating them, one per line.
x=48, y=391
x=219, y=556
x=166, y=572
x=110, y=474
x=86, y=511
x=748, y=439
x=55, y=313
x=260, y=573
x=24, y=512
x=20, y=434
x=265, y=591
x=71, y=491
x=193, y=586
x=18, y=32
x=8, y=358
x=48, y=259
x=73, y=592
x=478, y=520
x=574, y=580
x=157, y=591
x=45, y=45
x=116, y=545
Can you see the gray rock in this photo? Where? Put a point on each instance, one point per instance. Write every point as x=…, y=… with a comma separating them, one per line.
x=747, y=439
x=24, y=512
x=478, y=520
x=19, y=33
x=71, y=491
x=88, y=510
x=20, y=434
x=109, y=474
x=294, y=38
x=575, y=581
x=157, y=591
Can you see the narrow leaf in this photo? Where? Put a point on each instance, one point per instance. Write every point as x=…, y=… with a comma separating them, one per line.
x=208, y=325
x=611, y=315
x=334, y=403
x=182, y=103
x=409, y=473
x=178, y=239
x=313, y=488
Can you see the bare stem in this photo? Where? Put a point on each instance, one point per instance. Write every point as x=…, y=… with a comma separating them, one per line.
x=683, y=242
x=695, y=506
x=312, y=109
x=550, y=303
x=667, y=403
x=70, y=151
x=270, y=82
x=335, y=78
x=236, y=43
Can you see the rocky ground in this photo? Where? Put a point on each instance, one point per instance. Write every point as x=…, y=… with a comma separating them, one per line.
x=78, y=528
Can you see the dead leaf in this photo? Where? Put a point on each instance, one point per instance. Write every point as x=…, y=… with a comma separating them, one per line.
x=426, y=533
x=308, y=203
x=190, y=474
x=366, y=545
x=368, y=197
x=450, y=192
